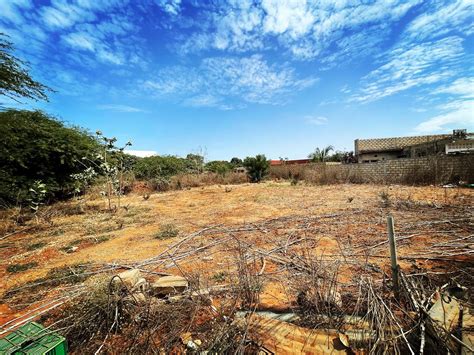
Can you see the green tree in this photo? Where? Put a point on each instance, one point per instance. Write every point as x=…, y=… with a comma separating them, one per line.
x=236, y=162
x=15, y=80
x=35, y=147
x=257, y=167
x=220, y=167
x=195, y=163
x=321, y=155
x=159, y=167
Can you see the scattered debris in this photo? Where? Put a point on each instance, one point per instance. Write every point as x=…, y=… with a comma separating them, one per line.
x=167, y=285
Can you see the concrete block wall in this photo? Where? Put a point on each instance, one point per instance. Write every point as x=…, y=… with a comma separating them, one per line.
x=425, y=170
x=432, y=170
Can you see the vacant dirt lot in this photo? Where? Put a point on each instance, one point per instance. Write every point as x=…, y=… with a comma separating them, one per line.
x=199, y=232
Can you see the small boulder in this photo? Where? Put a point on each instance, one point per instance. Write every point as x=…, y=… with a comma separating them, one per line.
x=127, y=278
x=168, y=285
x=140, y=286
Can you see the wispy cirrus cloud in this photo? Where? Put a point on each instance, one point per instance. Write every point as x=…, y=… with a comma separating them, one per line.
x=218, y=80
x=440, y=19
x=412, y=65
x=121, y=108
x=12, y=9
x=306, y=30
x=462, y=87
x=457, y=114
x=316, y=120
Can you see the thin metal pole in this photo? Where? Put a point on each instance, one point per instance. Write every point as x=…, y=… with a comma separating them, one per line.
x=393, y=255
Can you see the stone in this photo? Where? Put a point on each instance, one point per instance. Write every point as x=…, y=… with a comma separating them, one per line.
x=127, y=278
x=140, y=286
x=168, y=285
x=192, y=345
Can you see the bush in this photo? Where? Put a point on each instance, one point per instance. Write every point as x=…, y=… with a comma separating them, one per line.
x=35, y=147
x=159, y=167
x=14, y=268
x=220, y=167
x=167, y=231
x=257, y=167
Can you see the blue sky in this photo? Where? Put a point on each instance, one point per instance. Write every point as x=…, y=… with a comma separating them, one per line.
x=238, y=78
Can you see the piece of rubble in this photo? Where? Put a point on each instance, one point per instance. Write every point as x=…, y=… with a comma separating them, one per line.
x=445, y=311
x=127, y=278
x=191, y=345
x=286, y=338
x=186, y=337
x=167, y=285
x=140, y=286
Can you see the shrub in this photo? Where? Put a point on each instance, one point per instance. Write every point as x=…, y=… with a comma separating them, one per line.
x=36, y=246
x=14, y=268
x=158, y=167
x=220, y=167
x=257, y=167
x=167, y=231
x=35, y=147
x=236, y=162
x=385, y=199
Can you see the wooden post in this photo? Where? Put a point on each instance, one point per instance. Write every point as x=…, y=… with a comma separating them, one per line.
x=393, y=256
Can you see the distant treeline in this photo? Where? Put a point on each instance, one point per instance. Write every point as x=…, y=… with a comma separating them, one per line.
x=40, y=150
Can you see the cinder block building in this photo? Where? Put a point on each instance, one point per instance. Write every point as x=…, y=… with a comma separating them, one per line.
x=373, y=150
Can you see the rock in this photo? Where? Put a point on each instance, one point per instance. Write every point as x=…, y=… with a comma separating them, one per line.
x=168, y=285
x=140, y=286
x=192, y=345
x=207, y=258
x=445, y=312
x=285, y=338
x=127, y=278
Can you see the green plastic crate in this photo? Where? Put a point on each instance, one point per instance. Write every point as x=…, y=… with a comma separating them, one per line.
x=33, y=339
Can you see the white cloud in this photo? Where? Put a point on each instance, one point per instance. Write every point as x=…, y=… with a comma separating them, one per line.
x=141, y=153
x=442, y=18
x=63, y=15
x=316, y=120
x=294, y=17
x=11, y=9
x=414, y=65
x=220, y=79
x=121, y=108
x=463, y=87
x=80, y=40
x=306, y=29
x=173, y=7
x=460, y=115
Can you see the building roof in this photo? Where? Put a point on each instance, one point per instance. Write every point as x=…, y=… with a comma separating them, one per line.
x=393, y=144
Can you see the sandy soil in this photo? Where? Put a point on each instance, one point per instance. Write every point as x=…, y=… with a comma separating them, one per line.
x=334, y=220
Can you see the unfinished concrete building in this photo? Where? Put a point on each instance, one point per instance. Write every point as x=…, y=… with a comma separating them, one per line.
x=374, y=150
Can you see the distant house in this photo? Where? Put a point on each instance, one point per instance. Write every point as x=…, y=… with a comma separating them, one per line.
x=289, y=162
x=373, y=150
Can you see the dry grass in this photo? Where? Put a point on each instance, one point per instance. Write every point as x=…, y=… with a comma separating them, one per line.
x=326, y=224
